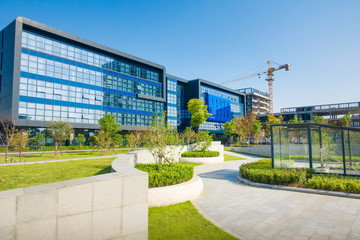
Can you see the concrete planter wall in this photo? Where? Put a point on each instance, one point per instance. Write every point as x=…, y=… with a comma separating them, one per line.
x=174, y=194
x=108, y=206
x=203, y=160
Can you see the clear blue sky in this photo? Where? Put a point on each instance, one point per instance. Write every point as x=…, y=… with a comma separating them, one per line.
x=219, y=40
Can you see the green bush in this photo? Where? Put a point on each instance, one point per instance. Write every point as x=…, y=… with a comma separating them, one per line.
x=201, y=154
x=161, y=175
x=262, y=172
x=334, y=183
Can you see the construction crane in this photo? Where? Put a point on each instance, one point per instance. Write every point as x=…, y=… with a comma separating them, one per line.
x=270, y=79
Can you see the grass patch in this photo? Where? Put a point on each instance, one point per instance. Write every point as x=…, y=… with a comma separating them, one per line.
x=166, y=175
x=45, y=157
x=227, y=148
x=232, y=158
x=251, y=154
x=182, y=221
x=19, y=176
x=262, y=172
x=197, y=154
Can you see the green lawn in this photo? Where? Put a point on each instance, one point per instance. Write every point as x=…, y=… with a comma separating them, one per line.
x=19, y=176
x=43, y=157
x=232, y=158
x=182, y=221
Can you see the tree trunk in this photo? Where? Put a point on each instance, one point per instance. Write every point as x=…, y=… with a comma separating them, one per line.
x=20, y=155
x=6, y=154
x=80, y=145
x=56, y=149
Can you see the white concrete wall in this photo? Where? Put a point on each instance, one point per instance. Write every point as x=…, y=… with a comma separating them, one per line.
x=108, y=206
x=264, y=150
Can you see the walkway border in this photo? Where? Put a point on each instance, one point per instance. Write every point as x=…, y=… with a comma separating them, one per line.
x=294, y=189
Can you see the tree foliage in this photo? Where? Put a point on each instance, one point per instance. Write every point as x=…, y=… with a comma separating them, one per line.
x=109, y=128
x=203, y=141
x=6, y=136
x=38, y=140
x=133, y=139
x=246, y=126
x=20, y=139
x=198, y=111
x=160, y=138
x=229, y=129
x=345, y=120
x=320, y=120
x=60, y=132
x=188, y=136
x=81, y=139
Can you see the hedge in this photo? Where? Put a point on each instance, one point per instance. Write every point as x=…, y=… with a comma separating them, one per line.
x=161, y=175
x=334, y=183
x=262, y=172
x=201, y=154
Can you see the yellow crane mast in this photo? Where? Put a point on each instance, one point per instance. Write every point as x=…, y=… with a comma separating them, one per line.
x=270, y=79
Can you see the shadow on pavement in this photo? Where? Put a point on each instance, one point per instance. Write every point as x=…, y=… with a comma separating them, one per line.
x=225, y=174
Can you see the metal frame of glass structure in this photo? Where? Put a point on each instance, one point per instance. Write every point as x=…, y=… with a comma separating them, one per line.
x=327, y=149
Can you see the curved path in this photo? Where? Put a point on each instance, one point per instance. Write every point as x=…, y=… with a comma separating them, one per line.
x=258, y=213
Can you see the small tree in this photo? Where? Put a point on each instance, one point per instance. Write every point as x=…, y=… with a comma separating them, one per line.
x=101, y=140
x=110, y=128
x=238, y=121
x=117, y=140
x=188, y=135
x=81, y=139
x=160, y=139
x=60, y=131
x=272, y=120
x=38, y=140
x=6, y=136
x=20, y=139
x=203, y=141
x=297, y=133
x=229, y=129
x=320, y=120
x=259, y=136
x=199, y=112
x=134, y=139
x=345, y=120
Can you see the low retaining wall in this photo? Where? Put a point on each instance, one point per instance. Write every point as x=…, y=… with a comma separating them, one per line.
x=113, y=205
x=203, y=160
x=264, y=150
x=163, y=196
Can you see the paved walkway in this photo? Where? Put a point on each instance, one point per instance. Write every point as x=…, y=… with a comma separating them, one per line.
x=258, y=213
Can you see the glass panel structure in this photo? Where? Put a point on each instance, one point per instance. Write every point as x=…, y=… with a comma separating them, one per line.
x=324, y=148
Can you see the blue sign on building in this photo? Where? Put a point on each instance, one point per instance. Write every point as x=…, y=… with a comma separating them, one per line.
x=219, y=108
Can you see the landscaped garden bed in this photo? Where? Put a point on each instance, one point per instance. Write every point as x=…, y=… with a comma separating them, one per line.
x=262, y=172
x=199, y=154
x=161, y=175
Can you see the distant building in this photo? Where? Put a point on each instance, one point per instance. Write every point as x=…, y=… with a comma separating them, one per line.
x=331, y=112
x=256, y=100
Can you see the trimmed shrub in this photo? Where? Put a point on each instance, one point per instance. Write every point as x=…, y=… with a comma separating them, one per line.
x=201, y=154
x=334, y=183
x=161, y=175
x=262, y=172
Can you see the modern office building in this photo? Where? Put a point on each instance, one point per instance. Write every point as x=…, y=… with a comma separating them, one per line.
x=47, y=75
x=256, y=100
x=331, y=112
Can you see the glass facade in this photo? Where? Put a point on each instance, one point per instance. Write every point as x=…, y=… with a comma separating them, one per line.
x=236, y=106
x=60, y=81
x=324, y=148
x=177, y=113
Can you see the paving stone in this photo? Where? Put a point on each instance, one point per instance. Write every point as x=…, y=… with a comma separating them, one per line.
x=261, y=213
